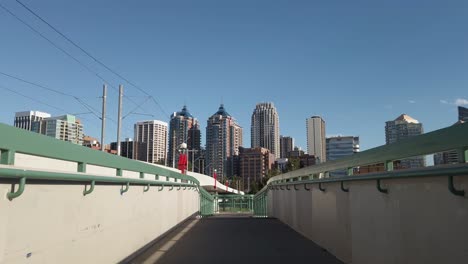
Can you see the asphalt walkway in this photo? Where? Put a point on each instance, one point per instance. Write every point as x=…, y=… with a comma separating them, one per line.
x=234, y=239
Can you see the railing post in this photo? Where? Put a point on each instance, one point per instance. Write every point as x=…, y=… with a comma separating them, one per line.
x=389, y=165
x=462, y=155
x=81, y=167
x=7, y=157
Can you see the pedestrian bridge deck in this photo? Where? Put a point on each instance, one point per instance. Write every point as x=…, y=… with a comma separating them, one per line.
x=235, y=239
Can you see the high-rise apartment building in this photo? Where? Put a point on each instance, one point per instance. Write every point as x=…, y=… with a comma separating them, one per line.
x=463, y=114
x=340, y=147
x=254, y=165
x=404, y=127
x=286, y=145
x=223, y=139
x=154, y=134
x=183, y=128
x=316, y=138
x=66, y=128
x=265, y=128
x=25, y=119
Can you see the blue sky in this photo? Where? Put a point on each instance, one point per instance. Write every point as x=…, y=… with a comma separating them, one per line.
x=356, y=63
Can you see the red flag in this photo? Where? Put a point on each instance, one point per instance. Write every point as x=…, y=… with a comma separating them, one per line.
x=182, y=165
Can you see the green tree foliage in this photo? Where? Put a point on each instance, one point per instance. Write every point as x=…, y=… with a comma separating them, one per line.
x=293, y=164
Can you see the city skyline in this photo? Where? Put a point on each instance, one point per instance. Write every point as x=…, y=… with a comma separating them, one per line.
x=320, y=58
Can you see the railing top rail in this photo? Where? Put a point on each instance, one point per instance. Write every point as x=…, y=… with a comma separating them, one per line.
x=26, y=142
x=454, y=137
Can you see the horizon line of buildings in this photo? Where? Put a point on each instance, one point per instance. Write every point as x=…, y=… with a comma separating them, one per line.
x=159, y=142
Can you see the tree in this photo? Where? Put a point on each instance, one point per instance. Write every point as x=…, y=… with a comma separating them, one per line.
x=293, y=164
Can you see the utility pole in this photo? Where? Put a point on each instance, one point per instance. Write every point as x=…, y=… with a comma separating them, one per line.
x=193, y=160
x=103, y=118
x=173, y=149
x=119, y=120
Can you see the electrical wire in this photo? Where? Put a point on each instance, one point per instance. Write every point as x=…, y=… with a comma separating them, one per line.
x=67, y=53
x=80, y=101
x=91, y=56
x=88, y=107
x=32, y=99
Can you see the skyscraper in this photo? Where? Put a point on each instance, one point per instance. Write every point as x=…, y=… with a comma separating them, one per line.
x=24, y=119
x=316, y=138
x=265, y=128
x=463, y=114
x=223, y=139
x=154, y=134
x=404, y=127
x=183, y=128
x=66, y=128
x=286, y=145
x=340, y=147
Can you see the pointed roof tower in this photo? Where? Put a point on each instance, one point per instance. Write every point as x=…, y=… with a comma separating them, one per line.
x=222, y=111
x=406, y=118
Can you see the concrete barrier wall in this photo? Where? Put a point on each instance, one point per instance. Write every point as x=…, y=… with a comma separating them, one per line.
x=57, y=224
x=418, y=221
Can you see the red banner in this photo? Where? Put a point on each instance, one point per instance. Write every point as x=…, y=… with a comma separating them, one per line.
x=182, y=165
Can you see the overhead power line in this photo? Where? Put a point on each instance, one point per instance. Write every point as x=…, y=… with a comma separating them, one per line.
x=80, y=100
x=91, y=56
x=32, y=99
x=94, y=111
x=67, y=53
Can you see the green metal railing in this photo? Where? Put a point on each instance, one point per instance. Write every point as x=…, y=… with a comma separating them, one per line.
x=234, y=203
x=206, y=203
x=14, y=140
x=451, y=138
x=260, y=204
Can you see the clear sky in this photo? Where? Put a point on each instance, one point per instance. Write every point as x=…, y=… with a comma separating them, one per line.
x=356, y=63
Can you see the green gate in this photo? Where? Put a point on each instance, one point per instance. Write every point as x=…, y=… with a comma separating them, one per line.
x=234, y=203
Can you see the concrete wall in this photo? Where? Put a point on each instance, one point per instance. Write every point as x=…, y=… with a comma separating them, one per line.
x=418, y=221
x=57, y=224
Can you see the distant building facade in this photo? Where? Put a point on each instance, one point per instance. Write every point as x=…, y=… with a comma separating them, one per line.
x=254, y=165
x=340, y=147
x=183, y=128
x=153, y=134
x=446, y=157
x=452, y=156
x=404, y=127
x=130, y=149
x=306, y=160
x=286, y=145
x=265, y=128
x=65, y=127
x=316, y=138
x=91, y=142
x=463, y=114
x=25, y=119
x=295, y=153
x=223, y=139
